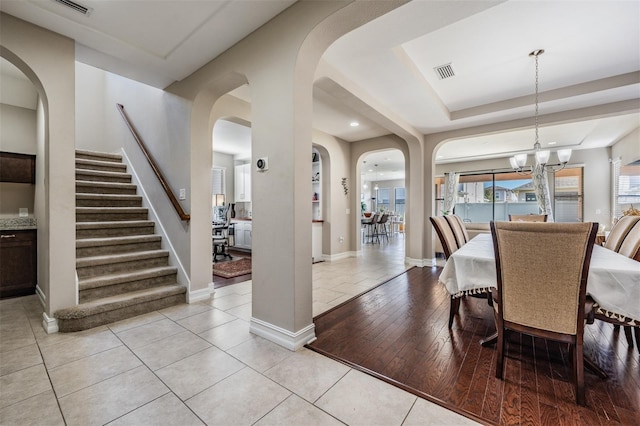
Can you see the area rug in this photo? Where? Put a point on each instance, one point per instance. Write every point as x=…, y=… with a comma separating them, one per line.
x=232, y=268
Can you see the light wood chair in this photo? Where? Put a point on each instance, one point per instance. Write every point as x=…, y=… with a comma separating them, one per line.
x=542, y=273
x=528, y=217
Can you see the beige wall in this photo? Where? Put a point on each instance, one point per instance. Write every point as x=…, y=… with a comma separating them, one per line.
x=628, y=148
x=47, y=59
x=161, y=120
x=17, y=134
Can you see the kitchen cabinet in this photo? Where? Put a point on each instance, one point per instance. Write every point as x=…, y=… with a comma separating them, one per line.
x=17, y=168
x=18, y=268
x=242, y=235
x=242, y=183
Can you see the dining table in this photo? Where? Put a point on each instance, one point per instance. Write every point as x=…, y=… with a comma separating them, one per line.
x=613, y=281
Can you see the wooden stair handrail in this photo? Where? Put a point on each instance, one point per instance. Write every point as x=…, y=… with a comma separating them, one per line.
x=154, y=166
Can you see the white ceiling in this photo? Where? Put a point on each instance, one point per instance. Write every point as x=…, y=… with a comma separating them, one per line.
x=592, y=58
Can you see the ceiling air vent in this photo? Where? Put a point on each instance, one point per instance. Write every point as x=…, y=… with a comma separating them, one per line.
x=444, y=71
x=75, y=6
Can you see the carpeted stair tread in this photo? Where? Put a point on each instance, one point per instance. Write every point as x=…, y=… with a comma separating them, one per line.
x=113, y=279
x=129, y=239
x=114, y=224
x=100, y=213
x=111, y=209
x=120, y=301
x=105, y=185
x=85, y=164
x=95, y=155
x=102, y=176
x=119, y=258
x=105, y=200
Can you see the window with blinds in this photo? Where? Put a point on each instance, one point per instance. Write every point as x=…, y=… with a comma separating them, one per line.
x=217, y=180
x=626, y=187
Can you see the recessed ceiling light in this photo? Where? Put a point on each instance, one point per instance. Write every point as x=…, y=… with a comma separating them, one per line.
x=440, y=156
x=370, y=170
x=354, y=124
x=552, y=143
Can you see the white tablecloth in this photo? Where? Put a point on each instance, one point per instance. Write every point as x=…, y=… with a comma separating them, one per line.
x=613, y=282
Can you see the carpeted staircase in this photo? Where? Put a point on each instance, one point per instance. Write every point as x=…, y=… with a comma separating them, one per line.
x=122, y=270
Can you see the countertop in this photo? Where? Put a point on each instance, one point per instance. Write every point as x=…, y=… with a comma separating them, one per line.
x=17, y=223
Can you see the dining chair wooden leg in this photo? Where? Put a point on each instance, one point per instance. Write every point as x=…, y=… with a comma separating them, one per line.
x=500, y=355
x=578, y=372
x=453, y=309
x=636, y=331
x=628, y=336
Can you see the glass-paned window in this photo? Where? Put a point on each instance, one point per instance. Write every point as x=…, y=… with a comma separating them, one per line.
x=399, y=201
x=494, y=196
x=567, y=205
x=383, y=199
x=628, y=191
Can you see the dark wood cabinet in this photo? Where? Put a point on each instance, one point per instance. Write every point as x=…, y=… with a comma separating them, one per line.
x=17, y=168
x=18, y=262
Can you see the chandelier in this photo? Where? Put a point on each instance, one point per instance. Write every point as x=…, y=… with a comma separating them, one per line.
x=519, y=161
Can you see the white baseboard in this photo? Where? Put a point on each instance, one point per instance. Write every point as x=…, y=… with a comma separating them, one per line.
x=200, y=295
x=340, y=256
x=282, y=337
x=419, y=262
x=50, y=325
x=41, y=296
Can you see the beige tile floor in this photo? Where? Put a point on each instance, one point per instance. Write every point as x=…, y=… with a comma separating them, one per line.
x=198, y=364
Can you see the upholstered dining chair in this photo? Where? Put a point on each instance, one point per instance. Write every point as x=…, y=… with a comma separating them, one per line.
x=449, y=241
x=528, y=217
x=625, y=239
x=542, y=273
x=619, y=232
x=458, y=228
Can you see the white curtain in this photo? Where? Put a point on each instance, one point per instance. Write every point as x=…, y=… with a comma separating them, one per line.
x=541, y=188
x=451, y=181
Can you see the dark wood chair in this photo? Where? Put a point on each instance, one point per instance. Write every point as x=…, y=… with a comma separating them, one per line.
x=528, y=217
x=542, y=273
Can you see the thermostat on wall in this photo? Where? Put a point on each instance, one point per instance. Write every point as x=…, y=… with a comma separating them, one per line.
x=262, y=164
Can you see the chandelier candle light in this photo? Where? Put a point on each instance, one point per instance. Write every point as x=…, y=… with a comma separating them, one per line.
x=518, y=161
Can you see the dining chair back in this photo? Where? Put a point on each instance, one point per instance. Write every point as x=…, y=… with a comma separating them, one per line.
x=619, y=232
x=630, y=247
x=528, y=217
x=445, y=234
x=381, y=226
x=458, y=228
x=542, y=273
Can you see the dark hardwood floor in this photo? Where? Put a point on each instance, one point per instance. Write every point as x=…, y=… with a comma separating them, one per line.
x=398, y=332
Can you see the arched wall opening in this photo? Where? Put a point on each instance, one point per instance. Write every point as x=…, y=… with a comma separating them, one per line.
x=48, y=60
